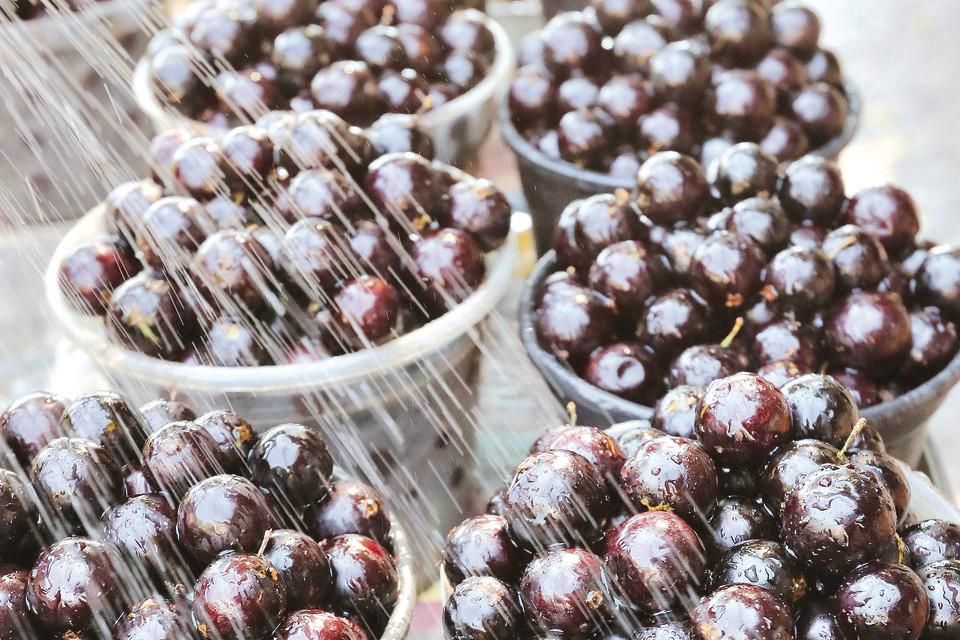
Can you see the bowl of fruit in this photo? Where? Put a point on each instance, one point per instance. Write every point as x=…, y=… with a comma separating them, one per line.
x=739, y=74
x=332, y=297
x=420, y=61
x=45, y=186
x=155, y=523
x=689, y=279
x=774, y=520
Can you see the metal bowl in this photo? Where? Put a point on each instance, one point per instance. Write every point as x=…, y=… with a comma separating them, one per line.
x=549, y=185
x=902, y=421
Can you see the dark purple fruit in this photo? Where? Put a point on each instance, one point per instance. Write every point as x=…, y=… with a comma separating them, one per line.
x=760, y=219
x=302, y=566
x=77, y=480
x=931, y=541
x=573, y=322
x=628, y=273
x=868, y=330
x=588, y=226
x=32, y=422
x=886, y=212
x=220, y=513
x=837, y=518
x=817, y=620
x=902, y=611
x=888, y=470
x=742, y=419
x=656, y=559
x=482, y=608
x=567, y=591
x=15, y=511
x=859, y=259
x=15, y=621
x=179, y=456
x=293, y=460
x=159, y=413
x=786, y=340
x=735, y=519
x=822, y=111
x=570, y=43
x=583, y=137
x=671, y=187
x=786, y=140
x=672, y=320
x=155, y=619
x=367, y=310
x=91, y=272
x=726, y=269
x=764, y=563
x=941, y=582
x=799, y=279
x=938, y=280
x=75, y=584
x=233, y=436
x=742, y=611
x=598, y=447
x=556, y=497
x=700, y=365
x=625, y=369
x=744, y=171
x=675, y=413
x=365, y=580
x=481, y=209
x=449, y=265
x=672, y=473
x=739, y=31
x=148, y=315
x=315, y=624
x=347, y=88
x=790, y=465
x=743, y=104
x=820, y=408
x=349, y=507
x=404, y=189
x=481, y=546
x=796, y=28
x=144, y=529
x=105, y=418
x=239, y=595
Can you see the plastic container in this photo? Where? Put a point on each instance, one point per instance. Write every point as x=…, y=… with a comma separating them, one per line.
x=398, y=626
x=458, y=128
x=902, y=421
x=58, y=152
x=550, y=185
x=399, y=415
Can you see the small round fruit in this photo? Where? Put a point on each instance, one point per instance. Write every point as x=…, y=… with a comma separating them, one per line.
x=316, y=624
x=349, y=507
x=482, y=608
x=820, y=408
x=239, y=595
x=302, y=565
x=670, y=472
x=931, y=541
x=293, y=460
x=625, y=369
x=734, y=520
x=869, y=331
x=365, y=580
x=31, y=423
x=481, y=546
x=941, y=582
x=726, y=269
x=764, y=563
x=742, y=611
x=938, y=281
x=791, y=463
x=671, y=187
x=180, y=455
x=902, y=612
x=567, y=591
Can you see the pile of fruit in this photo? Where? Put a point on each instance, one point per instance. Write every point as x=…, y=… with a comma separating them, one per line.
x=780, y=518
x=230, y=59
x=160, y=525
x=799, y=278
x=291, y=241
x=608, y=87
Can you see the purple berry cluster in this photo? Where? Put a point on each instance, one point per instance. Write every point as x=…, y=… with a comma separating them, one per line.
x=607, y=87
x=749, y=266
x=227, y=60
x=759, y=514
x=158, y=524
x=294, y=240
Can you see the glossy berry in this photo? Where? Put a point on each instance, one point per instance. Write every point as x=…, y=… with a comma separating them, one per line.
x=404, y=189
x=74, y=585
x=656, y=558
x=901, y=613
x=239, y=595
x=764, y=563
x=302, y=565
x=569, y=43
x=77, y=480
x=675, y=413
x=15, y=509
x=365, y=580
x=105, y=418
x=478, y=207
x=799, y=279
x=628, y=273
x=869, y=330
x=941, y=581
x=739, y=32
x=931, y=541
x=625, y=369
x=734, y=520
x=820, y=408
x=726, y=269
x=744, y=171
x=567, y=591
x=886, y=212
x=674, y=319
x=320, y=625
x=700, y=365
x=671, y=187
x=349, y=507
x=859, y=259
x=32, y=422
x=598, y=447
x=481, y=546
x=586, y=227
x=745, y=611
x=937, y=280
x=822, y=111
x=790, y=465
x=159, y=413
x=233, y=435
x=743, y=103
x=572, y=323
x=742, y=419
x=760, y=219
x=482, y=608
x=154, y=618
x=836, y=518
x=180, y=455
x=220, y=513
x=368, y=311
x=144, y=529
x=147, y=314
x=670, y=472
x=888, y=470
x=91, y=272
x=582, y=137
x=556, y=497
x=293, y=460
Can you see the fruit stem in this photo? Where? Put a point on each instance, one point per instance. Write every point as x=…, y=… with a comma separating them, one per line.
x=265, y=541
x=857, y=428
x=572, y=413
x=848, y=241
x=737, y=325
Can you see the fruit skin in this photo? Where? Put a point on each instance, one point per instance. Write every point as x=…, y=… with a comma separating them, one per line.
x=820, y=408
x=868, y=331
x=572, y=322
x=303, y=567
x=931, y=541
x=105, y=418
x=15, y=510
x=144, y=530
x=365, y=580
x=294, y=460
x=567, y=591
x=789, y=465
x=315, y=624
x=179, y=455
x=742, y=612
x=32, y=422
x=14, y=619
x=742, y=419
x=837, y=518
x=77, y=480
x=75, y=584
x=726, y=269
x=481, y=546
x=237, y=596
x=482, y=608
x=556, y=497
x=764, y=563
x=155, y=619
x=900, y=615
x=817, y=620
x=655, y=557
x=220, y=513
x=734, y=520
x=670, y=472
x=941, y=581
x=349, y=507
